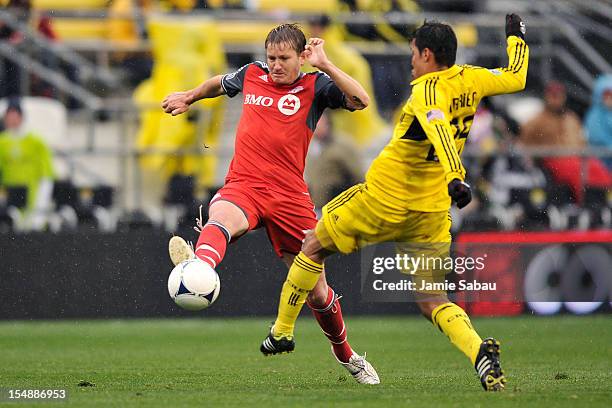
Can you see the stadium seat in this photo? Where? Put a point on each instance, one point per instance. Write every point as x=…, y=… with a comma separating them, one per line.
x=69, y=4
x=310, y=6
x=80, y=29
x=244, y=32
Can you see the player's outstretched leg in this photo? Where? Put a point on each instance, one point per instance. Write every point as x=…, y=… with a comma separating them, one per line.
x=210, y=248
x=329, y=317
x=488, y=366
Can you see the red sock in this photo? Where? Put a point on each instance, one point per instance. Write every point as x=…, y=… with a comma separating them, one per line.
x=212, y=243
x=331, y=322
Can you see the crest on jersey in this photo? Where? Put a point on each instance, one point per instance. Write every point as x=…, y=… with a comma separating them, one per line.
x=296, y=89
x=264, y=78
x=289, y=104
x=435, y=114
x=496, y=72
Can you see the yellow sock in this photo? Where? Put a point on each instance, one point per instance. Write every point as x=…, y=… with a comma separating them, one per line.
x=301, y=279
x=455, y=323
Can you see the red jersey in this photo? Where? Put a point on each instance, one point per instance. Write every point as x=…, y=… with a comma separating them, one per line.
x=276, y=125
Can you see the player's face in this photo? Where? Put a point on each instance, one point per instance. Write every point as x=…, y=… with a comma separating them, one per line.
x=418, y=62
x=284, y=63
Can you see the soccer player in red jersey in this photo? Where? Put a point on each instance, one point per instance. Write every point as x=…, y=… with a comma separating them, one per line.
x=265, y=184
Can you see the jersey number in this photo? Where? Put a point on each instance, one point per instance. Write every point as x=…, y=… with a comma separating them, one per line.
x=462, y=129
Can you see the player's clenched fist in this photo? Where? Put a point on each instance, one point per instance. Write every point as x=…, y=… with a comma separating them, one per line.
x=177, y=103
x=460, y=192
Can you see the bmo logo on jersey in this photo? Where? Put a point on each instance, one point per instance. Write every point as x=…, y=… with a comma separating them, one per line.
x=289, y=104
x=250, y=99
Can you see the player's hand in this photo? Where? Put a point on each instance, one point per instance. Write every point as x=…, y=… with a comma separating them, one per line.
x=460, y=192
x=515, y=26
x=314, y=53
x=177, y=103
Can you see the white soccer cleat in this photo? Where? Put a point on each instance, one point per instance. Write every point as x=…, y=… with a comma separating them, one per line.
x=179, y=250
x=360, y=369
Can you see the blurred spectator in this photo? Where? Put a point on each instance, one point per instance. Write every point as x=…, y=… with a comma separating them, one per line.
x=557, y=127
x=127, y=27
x=362, y=126
x=333, y=164
x=26, y=161
x=598, y=122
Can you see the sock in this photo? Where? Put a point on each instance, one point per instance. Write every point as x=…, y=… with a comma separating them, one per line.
x=212, y=243
x=301, y=279
x=329, y=317
x=455, y=323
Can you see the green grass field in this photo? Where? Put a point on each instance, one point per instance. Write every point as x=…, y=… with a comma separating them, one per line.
x=552, y=362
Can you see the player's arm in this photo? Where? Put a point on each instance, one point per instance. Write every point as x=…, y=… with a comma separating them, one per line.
x=179, y=102
x=430, y=108
x=356, y=96
x=229, y=84
x=513, y=77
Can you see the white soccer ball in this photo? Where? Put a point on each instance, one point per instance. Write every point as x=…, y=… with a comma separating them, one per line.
x=193, y=285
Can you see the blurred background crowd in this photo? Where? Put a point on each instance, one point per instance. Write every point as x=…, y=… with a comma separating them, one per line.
x=85, y=144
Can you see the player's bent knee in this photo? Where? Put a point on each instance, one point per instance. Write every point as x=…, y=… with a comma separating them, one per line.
x=311, y=245
x=229, y=215
x=427, y=306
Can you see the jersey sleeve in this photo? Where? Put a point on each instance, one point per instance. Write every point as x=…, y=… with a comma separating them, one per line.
x=327, y=93
x=507, y=79
x=431, y=110
x=233, y=82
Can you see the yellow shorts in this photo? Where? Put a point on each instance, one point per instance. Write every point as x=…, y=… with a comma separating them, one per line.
x=355, y=219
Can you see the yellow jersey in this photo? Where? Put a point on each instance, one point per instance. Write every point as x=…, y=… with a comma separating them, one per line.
x=413, y=171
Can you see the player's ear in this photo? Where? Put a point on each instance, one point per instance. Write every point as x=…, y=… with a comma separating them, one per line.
x=302, y=57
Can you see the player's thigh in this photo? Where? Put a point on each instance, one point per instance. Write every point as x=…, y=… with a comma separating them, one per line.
x=233, y=207
x=348, y=222
x=286, y=221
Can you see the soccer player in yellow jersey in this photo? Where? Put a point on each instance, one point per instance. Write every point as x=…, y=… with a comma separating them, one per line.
x=411, y=185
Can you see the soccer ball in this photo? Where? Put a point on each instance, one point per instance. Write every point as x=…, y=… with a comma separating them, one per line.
x=193, y=285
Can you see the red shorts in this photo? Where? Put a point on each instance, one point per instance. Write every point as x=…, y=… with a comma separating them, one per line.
x=286, y=217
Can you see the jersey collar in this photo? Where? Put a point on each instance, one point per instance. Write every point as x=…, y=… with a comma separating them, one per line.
x=447, y=73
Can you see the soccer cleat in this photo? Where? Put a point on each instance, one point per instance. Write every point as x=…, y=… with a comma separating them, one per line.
x=488, y=366
x=361, y=370
x=180, y=250
x=277, y=344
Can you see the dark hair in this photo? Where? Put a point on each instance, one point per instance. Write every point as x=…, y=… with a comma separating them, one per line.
x=440, y=39
x=287, y=33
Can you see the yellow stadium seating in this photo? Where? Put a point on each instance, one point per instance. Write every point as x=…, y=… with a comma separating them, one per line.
x=241, y=32
x=69, y=4
x=80, y=28
x=316, y=6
